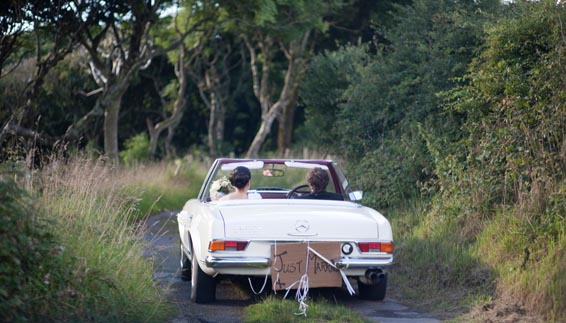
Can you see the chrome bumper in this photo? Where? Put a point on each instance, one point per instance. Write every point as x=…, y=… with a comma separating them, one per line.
x=233, y=262
x=354, y=263
x=343, y=263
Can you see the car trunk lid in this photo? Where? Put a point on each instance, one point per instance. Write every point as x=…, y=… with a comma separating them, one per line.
x=297, y=220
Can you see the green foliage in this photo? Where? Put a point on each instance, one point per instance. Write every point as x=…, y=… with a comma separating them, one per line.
x=329, y=75
x=79, y=257
x=282, y=19
x=137, y=149
x=278, y=310
x=105, y=276
x=27, y=254
x=383, y=107
x=502, y=189
x=436, y=257
x=515, y=105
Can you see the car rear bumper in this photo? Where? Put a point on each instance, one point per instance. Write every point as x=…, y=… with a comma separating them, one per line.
x=356, y=263
x=259, y=262
x=236, y=262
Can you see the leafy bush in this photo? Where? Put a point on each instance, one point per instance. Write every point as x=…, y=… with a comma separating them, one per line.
x=137, y=149
x=381, y=103
x=26, y=258
x=505, y=186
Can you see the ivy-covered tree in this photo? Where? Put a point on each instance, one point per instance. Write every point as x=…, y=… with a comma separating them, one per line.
x=508, y=173
x=385, y=102
x=515, y=104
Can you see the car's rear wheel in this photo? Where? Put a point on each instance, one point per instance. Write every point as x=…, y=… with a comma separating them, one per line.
x=375, y=291
x=185, y=265
x=203, y=286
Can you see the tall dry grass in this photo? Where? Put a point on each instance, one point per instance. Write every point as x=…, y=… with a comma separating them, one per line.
x=465, y=254
x=106, y=276
x=161, y=186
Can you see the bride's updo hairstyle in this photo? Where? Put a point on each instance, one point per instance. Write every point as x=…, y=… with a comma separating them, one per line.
x=240, y=177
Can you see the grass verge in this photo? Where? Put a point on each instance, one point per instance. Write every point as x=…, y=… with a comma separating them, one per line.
x=162, y=186
x=73, y=250
x=107, y=277
x=475, y=266
x=283, y=311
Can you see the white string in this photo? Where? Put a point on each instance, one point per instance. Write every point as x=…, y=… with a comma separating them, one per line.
x=274, y=281
x=266, y=275
x=303, y=283
x=262, y=287
x=288, y=289
x=303, y=289
x=302, y=294
x=344, y=278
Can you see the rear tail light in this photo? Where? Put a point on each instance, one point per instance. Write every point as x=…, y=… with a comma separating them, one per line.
x=376, y=247
x=222, y=245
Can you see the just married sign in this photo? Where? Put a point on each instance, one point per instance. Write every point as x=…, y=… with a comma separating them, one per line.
x=289, y=263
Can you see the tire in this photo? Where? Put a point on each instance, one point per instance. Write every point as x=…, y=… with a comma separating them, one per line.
x=374, y=292
x=185, y=266
x=203, y=286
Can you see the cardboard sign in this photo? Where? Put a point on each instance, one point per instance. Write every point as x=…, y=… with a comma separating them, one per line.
x=289, y=263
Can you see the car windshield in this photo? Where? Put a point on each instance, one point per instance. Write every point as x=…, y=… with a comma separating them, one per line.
x=272, y=177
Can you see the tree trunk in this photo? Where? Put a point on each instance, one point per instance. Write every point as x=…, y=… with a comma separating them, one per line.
x=296, y=63
x=171, y=122
x=169, y=148
x=220, y=122
x=153, y=137
x=261, y=135
x=286, y=125
x=211, y=125
x=111, y=116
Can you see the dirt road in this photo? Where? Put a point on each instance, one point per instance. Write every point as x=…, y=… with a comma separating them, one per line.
x=162, y=235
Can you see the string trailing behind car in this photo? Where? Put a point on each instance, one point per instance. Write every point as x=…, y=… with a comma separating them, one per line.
x=290, y=241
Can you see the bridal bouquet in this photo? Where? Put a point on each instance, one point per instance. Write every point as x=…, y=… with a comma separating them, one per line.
x=219, y=188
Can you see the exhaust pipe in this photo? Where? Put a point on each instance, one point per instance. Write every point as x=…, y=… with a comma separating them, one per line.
x=374, y=275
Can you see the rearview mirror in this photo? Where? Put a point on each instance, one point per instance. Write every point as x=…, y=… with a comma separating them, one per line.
x=273, y=172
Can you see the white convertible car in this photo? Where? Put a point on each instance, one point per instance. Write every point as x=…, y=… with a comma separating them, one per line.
x=255, y=237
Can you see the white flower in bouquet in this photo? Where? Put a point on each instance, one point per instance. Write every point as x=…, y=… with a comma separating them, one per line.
x=219, y=188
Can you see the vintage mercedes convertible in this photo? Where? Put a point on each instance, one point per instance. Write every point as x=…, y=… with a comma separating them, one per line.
x=256, y=237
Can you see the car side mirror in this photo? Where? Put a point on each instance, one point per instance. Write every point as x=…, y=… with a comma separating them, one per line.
x=356, y=196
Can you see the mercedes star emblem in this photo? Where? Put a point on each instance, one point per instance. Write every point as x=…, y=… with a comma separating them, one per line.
x=302, y=226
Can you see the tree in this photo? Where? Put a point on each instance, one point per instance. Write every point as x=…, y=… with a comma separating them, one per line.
x=118, y=49
x=273, y=32
x=211, y=69
x=189, y=52
x=41, y=34
x=384, y=118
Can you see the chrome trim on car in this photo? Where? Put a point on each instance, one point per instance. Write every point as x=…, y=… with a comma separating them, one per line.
x=259, y=262
x=346, y=263
x=237, y=262
x=302, y=234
